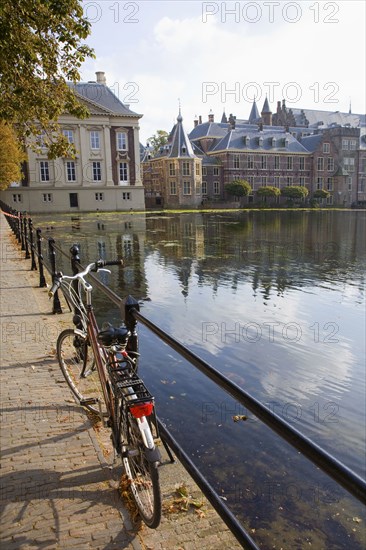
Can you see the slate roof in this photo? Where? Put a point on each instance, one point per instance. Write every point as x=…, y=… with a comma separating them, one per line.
x=311, y=143
x=180, y=145
x=254, y=113
x=241, y=140
x=209, y=129
x=102, y=98
x=327, y=118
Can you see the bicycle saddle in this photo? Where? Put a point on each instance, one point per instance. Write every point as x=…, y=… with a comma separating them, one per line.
x=110, y=336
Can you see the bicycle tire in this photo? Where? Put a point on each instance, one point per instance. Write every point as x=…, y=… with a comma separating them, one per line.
x=142, y=474
x=76, y=357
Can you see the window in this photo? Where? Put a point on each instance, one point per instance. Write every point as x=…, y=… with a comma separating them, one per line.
x=352, y=144
x=349, y=164
x=250, y=162
x=70, y=170
x=94, y=140
x=126, y=195
x=276, y=163
x=47, y=197
x=97, y=171
x=263, y=181
x=289, y=163
x=186, y=169
x=123, y=172
x=171, y=169
x=69, y=135
x=302, y=163
x=44, y=170
x=74, y=200
x=204, y=188
x=302, y=181
x=326, y=147
x=198, y=172
x=216, y=188
x=17, y=197
x=215, y=171
x=349, y=182
x=99, y=196
x=320, y=163
x=186, y=187
x=289, y=181
x=41, y=139
x=204, y=171
x=319, y=183
x=121, y=141
x=173, y=187
x=276, y=181
x=236, y=162
x=329, y=200
x=330, y=164
x=263, y=162
x=345, y=144
x=329, y=184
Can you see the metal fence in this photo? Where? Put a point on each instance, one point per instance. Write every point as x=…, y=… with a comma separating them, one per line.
x=31, y=243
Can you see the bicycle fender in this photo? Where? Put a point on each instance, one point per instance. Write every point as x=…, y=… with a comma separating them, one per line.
x=153, y=455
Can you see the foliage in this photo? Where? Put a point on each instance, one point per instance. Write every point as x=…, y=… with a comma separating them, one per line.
x=40, y=51
x=11, y=156
x=321, y=194
x=268, y=191
x=295, y=192
x=238, y=188
x=159, y=139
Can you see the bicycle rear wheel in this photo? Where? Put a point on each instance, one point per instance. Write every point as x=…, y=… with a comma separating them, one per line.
x=142, y=472
x=77, y=362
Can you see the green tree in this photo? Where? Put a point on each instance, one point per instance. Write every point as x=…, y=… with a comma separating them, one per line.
x=11, y=156
x=159, y=139
x=238, y=188
x=41, y=50
x=296, y=192
x=321, y=194
x=268, y=191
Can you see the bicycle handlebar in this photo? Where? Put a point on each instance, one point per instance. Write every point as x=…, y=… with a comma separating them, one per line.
x=95, y=266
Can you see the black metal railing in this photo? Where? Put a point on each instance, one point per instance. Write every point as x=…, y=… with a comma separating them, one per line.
x=130, y=313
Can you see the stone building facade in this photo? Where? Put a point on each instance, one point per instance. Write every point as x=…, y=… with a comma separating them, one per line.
x=104, y=176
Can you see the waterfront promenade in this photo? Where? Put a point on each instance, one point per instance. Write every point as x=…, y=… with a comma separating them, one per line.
x=59, y=486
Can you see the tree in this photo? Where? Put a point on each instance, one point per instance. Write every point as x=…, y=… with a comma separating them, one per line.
x=268, y=191
x=159, y=139
x=11, y=156
x=321, y=194
x=40, y=51
x=295, y=192
x=238, y=188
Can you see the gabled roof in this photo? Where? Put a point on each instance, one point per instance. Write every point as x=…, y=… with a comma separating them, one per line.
x=102, y=99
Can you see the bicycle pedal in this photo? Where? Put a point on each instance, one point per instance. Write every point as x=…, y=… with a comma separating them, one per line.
x=89, y=401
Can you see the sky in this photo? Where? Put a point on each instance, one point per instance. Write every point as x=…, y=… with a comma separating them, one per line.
x=219, y=56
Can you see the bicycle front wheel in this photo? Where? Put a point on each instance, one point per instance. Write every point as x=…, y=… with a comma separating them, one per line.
x=142, y=473
x=77, y=362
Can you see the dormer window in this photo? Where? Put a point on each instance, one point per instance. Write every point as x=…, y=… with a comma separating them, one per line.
x=184, y=150
x=286, y=142
x=260, y=141
x=247, y=141
x=273, y=142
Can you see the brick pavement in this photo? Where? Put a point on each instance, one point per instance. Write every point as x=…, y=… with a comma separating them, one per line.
x=59, y=482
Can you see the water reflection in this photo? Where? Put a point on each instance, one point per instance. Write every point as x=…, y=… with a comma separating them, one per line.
x=276, y=302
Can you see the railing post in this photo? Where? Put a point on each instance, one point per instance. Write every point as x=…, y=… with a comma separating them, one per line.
x=42, y=280
x=31, y=238
x=18, y=232
x=131, y=323
x=25, y=227
x=75, y=260
x=52, y=255
x=21, y=227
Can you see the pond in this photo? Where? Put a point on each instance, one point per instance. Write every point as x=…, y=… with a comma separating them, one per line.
x=276, y=302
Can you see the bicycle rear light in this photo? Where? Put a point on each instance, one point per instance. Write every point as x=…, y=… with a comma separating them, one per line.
x=142, y=409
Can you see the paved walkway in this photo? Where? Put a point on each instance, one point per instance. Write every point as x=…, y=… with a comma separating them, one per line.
x=59, y=484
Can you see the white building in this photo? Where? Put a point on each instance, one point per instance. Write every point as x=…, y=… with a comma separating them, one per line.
x=104, y=176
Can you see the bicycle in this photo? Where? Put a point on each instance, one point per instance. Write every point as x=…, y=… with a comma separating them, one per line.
x=102, y=374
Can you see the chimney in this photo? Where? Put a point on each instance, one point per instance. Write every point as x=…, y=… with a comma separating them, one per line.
x=195, y=122
x=101, y=79
x=200, y=119
x=211, y=117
